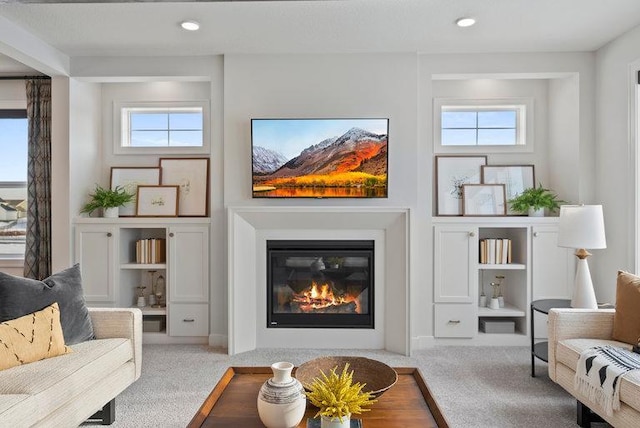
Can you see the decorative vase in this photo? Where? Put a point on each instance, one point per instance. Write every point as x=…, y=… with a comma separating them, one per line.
x=111, y=212
x=494, y=303
x=281, y=401
x=483, y=301
x=327, y=422
x=536, y=213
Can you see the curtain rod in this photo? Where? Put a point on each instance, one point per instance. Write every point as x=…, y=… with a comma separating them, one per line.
x=23, y=77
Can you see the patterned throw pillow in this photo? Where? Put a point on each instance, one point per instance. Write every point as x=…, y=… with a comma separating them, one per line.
x=21, y=296
x=32, y=337
x=626, y=321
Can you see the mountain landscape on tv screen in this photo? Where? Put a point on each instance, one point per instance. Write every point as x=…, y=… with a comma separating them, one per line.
x=353, y=164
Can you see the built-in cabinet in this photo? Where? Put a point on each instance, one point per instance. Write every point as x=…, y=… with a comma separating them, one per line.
x=538, y=269
x=113, y=276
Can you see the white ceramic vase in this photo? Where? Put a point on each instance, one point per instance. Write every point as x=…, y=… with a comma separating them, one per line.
x=281, y=401
x=327, y=422
x=111, y=212
x=536, y=213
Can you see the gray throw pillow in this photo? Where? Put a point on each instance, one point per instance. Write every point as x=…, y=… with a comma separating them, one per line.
x=21, y=296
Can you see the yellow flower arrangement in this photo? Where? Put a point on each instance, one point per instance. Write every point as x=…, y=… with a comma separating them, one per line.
x=337, y=396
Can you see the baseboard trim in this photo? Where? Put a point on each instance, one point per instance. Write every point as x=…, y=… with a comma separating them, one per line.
x=219, y=340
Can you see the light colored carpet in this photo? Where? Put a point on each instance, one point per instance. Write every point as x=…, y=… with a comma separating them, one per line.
x=474, y=386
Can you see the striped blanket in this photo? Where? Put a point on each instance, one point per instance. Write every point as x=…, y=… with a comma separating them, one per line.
x=600, y=371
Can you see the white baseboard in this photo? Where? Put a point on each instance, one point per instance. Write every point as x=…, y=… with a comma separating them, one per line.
x=422, y=342
x=219, y=341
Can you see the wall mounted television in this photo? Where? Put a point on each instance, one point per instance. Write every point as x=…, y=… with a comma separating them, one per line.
x=319, y=158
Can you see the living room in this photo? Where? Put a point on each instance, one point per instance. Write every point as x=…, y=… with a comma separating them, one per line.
x=583, y=132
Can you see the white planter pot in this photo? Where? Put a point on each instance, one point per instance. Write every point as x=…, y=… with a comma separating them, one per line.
x=326, y=422
x=536, y=213
x=111, y=212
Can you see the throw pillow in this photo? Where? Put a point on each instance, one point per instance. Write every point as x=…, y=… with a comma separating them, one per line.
x=32, y=337
x=20, y=296
x=626, y=321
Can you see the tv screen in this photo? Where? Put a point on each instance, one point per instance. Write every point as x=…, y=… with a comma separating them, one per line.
x=319, y=158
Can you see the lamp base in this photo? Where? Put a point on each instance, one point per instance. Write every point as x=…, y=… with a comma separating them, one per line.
x=583, y=294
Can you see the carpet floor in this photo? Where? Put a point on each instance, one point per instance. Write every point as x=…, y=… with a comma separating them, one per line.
x=474, y=386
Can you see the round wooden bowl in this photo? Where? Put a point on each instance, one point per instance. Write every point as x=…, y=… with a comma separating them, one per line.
x=377, y=376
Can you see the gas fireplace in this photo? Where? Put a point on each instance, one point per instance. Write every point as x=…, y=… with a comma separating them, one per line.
x=320, y=284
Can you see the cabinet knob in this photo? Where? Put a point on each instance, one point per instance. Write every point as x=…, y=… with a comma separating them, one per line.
x=535, y=234
x=472, y=234
x=454, y=322
x=188, y=320
x=171, y=235
x=109, y=234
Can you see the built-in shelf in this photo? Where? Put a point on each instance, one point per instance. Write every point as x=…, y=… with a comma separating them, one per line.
x=147, y=310
x=503, y=266
x=144, y=266
x=507, y=311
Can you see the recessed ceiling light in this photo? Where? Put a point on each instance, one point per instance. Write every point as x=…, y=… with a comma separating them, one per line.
x=190, y=25
x=465, y=22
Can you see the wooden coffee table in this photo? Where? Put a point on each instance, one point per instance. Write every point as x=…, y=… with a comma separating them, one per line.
x=233, y=402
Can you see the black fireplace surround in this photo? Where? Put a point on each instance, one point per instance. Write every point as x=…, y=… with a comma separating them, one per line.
x=320, y=284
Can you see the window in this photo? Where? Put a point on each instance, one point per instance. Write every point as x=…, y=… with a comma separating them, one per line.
x=481, y=125
x=162, y=127
x=13, y=183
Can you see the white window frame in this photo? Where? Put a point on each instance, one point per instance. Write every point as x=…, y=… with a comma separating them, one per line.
x=121, y=127
x=524, y=123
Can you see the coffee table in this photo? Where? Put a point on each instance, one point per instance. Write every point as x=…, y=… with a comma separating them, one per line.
x=233, y=402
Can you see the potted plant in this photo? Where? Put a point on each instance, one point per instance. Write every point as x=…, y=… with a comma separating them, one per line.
x=534, y=201
x=107, y=199
x=338, y=398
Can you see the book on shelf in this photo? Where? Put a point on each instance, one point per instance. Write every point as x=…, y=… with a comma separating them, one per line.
x=495, y=251
x=150, y=251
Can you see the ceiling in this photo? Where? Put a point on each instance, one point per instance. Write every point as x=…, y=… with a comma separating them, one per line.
x=145, y=28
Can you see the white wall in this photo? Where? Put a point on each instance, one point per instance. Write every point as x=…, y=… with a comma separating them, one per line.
x=616, y=151
x=320, y=86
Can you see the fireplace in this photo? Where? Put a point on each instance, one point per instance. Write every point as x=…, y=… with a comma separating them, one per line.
x=320, y=284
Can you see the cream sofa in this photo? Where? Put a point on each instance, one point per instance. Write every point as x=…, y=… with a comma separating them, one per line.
x=65, y=391
x=570, y=332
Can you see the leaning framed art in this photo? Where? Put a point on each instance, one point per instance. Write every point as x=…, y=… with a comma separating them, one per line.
x=157, y=201
x=129, y=178
x=192, y=176
x=451, y=173
x=516, y=178
x=483, y=200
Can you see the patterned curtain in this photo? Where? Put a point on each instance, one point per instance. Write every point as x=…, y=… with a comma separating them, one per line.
x=37, y=256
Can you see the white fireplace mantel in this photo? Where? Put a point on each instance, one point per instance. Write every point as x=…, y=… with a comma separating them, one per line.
x=248, y=229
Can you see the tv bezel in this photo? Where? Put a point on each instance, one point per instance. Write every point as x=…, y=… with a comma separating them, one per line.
x=386, y=196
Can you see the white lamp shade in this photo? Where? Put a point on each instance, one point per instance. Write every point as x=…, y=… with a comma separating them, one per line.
x=581, y=226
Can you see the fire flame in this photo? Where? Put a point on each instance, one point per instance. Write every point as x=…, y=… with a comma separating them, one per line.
x=322, y=296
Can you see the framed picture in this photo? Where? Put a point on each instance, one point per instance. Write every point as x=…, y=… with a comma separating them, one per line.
x=130, y=177
x=483, y=200
x=451, y=173
x=516, y=178
x=157, y=201
x=192, y=176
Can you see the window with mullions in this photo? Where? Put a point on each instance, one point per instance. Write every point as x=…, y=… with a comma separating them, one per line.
x=163, y=127
x=474, y=126
x=13, y=183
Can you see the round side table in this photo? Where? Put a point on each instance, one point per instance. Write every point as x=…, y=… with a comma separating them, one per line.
x=541, y=349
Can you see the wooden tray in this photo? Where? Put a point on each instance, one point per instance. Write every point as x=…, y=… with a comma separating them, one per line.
x=233, y=402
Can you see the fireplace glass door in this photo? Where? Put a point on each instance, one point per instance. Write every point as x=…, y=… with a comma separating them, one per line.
x=320, y=284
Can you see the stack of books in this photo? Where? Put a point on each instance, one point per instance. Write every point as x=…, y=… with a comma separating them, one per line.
x=150, y=251
x=495, y=251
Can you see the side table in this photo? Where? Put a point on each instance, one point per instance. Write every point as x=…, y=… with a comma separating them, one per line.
x=541, y=349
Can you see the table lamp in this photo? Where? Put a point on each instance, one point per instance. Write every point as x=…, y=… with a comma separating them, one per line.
x=582, y=227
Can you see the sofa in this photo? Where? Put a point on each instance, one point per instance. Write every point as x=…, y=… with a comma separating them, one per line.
x=570, y=332
x=66, y=390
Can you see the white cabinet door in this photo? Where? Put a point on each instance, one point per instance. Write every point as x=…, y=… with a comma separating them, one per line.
x=552, y=273
x=188, y=264
x=95, y=251
x=455, y=263
x=553, y=267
